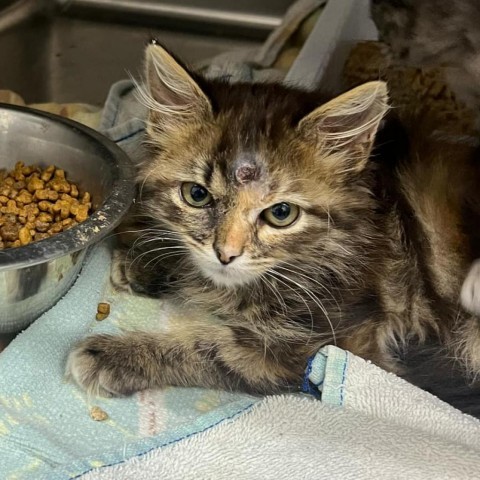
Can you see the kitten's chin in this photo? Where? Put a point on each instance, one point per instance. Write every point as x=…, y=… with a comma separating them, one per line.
x=227, y=276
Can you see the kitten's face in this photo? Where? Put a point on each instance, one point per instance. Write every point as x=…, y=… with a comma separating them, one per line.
x=245, y=186
x=241, y=211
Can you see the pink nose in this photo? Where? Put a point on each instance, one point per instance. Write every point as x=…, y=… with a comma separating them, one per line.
x=227, y=254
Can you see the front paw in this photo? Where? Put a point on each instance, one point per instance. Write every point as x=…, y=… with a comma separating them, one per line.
x=106, y=365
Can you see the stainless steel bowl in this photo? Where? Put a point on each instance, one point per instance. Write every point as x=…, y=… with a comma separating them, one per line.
x=34, y=277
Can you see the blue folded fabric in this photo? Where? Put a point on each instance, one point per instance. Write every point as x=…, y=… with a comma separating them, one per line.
x=326, y=375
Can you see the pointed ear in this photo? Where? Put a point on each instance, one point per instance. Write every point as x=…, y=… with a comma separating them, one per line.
x=350, y=121
x=171, y=93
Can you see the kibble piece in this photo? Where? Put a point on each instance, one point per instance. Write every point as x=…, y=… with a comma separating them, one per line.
x=34, y=184
x=47, y=174
x=46, y=194
x=45, y=217
x=86, y=198
x=74, y=191
x=13, y=193
x=10, y=218
x=103, y=311
x=24, y=197
x=82, y=213
x=9, y=181
x=9, y=232
x=56, y=227
x=103, y=307
x=41, y=226
x=11, y=207
x=59, y=173
x=24, y=236
x=28, y=170
x=45, y=206
x=32, y=211
x=97, y=414
x=62, y=207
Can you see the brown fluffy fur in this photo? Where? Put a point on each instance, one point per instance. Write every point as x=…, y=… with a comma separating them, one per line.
x=375, y=260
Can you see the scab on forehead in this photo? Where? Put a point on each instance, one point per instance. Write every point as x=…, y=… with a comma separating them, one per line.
x=246, y=172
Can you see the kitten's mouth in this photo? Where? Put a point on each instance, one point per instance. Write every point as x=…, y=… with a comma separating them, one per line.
x=232, y=275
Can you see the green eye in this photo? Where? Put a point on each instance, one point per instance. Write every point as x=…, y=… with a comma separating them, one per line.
x=281, y=214
x=195, y=195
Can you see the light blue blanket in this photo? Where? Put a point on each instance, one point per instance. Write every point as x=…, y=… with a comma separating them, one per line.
x=45, y=425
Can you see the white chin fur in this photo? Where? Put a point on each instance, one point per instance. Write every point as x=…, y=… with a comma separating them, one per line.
x=227, y=276
x=233, y=275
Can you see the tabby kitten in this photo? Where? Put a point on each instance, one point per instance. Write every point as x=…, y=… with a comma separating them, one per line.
x=264, y=206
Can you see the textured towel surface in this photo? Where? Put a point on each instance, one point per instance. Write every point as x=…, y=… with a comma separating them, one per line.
x=370, y=425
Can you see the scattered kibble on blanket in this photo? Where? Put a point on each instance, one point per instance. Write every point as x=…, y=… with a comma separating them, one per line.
x=37, y=203
x=97, y=414
x=103, y=311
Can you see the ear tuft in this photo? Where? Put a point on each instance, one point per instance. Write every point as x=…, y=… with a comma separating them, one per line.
x=171, y=94
x=351, y=120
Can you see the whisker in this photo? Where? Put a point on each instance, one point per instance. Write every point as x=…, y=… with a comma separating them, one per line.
x=297, y=271
x=314, y=298
x=275, y=291
x=177, y=247
x=270, y=273
x=165, y=256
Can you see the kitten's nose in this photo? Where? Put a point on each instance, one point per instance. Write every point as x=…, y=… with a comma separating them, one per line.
x=227, y=254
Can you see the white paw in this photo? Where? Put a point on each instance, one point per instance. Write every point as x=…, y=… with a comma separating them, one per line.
x=470, y=294
x=106, y=365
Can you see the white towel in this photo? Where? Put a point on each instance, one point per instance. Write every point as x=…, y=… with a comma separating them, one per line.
x=385, y=429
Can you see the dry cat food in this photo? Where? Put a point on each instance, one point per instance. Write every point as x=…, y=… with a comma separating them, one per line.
x=103, y=311
x=97, y=414
x=37, y=203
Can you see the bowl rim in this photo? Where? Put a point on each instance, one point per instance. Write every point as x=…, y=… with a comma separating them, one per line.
x=105, y=218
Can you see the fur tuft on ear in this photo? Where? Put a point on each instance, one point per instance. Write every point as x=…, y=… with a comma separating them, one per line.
x=170, y=92
x=349, y=121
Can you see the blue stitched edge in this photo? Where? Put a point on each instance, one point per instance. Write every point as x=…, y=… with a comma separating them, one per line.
x=308, y=370
x=342, y=389
x=129, y=89
x=157, y=447
x=307, y=385
x=130, y=135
